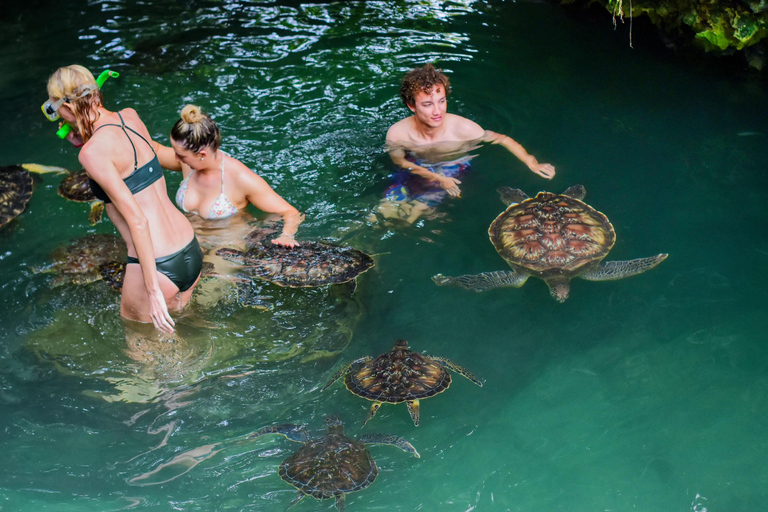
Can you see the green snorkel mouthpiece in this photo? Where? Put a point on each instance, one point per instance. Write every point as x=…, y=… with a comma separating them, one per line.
x=64, y=130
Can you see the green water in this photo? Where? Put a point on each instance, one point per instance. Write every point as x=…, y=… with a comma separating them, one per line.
x=646, y=394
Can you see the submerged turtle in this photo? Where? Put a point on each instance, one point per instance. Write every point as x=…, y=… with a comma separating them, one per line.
x=307, y=265
x=555, y=237
x=90, y=258
x=332, y=465
x=76, y=187
x=16, y=188
x=399, y=375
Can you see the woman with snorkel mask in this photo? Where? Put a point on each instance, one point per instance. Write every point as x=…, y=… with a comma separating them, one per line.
x=120, y=157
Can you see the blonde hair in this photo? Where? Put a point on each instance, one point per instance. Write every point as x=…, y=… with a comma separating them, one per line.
x=69, y=82
x=196, y=130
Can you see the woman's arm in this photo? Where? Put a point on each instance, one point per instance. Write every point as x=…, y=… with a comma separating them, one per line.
x=260, y=194
x=107, y=176
x=166, y=156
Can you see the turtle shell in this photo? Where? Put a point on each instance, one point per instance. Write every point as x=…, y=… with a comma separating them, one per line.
x=76, y=187
x=310, y=264
x=90, y=258
x=399, y=375
x=15, y=191
x=329, y=466
x=552, y=233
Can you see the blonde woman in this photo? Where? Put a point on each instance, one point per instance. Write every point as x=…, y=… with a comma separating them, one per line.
x=215, y=185
x=120, y=158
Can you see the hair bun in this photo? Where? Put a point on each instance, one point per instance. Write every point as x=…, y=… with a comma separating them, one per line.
x=191, y=114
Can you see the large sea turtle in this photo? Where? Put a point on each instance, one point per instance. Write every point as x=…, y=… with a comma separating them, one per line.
x=16, y=186
x=554, y=237
x=397, y=376
x=76, y=187
x=333, y=465
x=308, y=265
x=87, y=259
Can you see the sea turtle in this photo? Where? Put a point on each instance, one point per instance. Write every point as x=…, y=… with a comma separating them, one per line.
x=76, y=187
x=399, y=375
x=16, y=188
x=90, y=258
x=333, y=465
x=555, y=237
x=308, y=265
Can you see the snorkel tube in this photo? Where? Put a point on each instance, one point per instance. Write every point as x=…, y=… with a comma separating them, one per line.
x=64, y=130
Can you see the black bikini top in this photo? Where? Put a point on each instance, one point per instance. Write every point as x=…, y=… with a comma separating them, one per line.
x=141, y=177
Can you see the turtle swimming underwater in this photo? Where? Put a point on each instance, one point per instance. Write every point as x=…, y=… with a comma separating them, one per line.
x=399, y=375
x=76, y=187
x=90, y=258
x=555, y=237
x=16, y=188
x=333, y=465
x=310, y=264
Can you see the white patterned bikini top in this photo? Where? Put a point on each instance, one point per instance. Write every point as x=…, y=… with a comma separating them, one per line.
x=221, y=208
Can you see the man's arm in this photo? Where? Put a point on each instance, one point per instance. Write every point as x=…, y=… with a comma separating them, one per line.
x=544, y=170
x=450, y=185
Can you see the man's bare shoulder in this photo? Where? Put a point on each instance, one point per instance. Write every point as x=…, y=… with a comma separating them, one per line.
x=400, y=131
x=461, y=128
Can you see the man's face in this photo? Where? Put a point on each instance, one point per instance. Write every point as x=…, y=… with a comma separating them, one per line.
x=429, y=109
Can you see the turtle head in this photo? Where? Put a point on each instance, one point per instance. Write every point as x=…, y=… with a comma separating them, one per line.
x=334, y=425
x=559, y=288
x=401, y=345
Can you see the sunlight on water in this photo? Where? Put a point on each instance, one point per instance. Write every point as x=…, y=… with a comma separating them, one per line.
x=642, y=394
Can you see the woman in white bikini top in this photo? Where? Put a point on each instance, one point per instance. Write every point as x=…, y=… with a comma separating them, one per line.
x=215, y=185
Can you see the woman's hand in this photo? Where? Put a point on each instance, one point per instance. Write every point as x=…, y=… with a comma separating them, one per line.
x=286, y=240
x=544, y=170
x=158, y=312
x=73, y=137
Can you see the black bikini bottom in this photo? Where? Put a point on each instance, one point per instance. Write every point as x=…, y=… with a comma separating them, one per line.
x=182, y=267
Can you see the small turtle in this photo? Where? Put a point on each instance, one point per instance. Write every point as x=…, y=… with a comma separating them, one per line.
x=76, y=187
x=307, y=265
x=399, y=375
x=16, y=186
x=554, y=237
x=333, y=465
x=90, y=258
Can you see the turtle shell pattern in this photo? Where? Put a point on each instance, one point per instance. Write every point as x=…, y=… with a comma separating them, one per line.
x=552, y=232
x=329, y=466
x=15, y=192
x=399, y=375
x=76, y=187
x=310, y=264
x=84, y=259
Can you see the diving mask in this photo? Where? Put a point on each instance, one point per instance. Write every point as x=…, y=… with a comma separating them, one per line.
x=51, y=108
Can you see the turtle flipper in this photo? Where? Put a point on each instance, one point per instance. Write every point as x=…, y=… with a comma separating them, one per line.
x=247, y=296
x=97, y=211
x=576, y=192
x=372, y=412
x=296, y=500
x=458, y=369
x=341, y=504
x=413, y=409
x=612, y=270
x=509, y=195
x=290, y=431
x=484, y=281
x=396, y=441
x=44, y=169
x=345, y=370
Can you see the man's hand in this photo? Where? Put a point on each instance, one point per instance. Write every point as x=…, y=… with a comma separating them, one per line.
x=450, y=185
x=544, y=170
